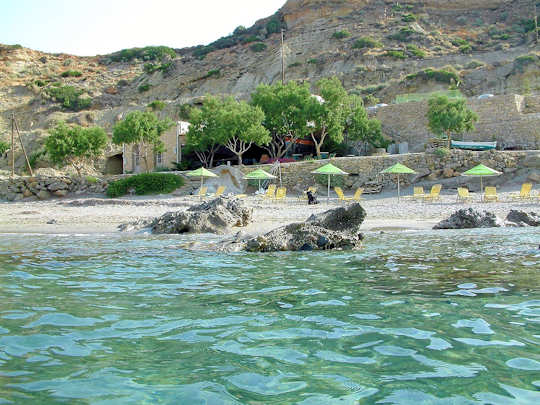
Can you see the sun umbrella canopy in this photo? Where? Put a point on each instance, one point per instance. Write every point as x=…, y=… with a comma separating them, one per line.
x=259, y=174
x=398, y=168
x=481, y=170
x=330, y=169
x=201, y=172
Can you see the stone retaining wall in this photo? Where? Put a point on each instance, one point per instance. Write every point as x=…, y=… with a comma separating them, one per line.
x=429, y=167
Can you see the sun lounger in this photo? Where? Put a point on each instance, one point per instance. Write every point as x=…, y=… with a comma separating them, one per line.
x=418, y=194
x=524, y=194
x=463, y=195
x=358, y=194
x=201, y=193
x=218, y=192
x=490, y=194
x=281, y=193
x=434, y=195
x=270, y=192
x=340, y=194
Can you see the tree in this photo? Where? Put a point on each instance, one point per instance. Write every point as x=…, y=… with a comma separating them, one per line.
x=75, y=145
x=286, y=116
x=143, y=129
x=446, y=116
x=360, y=128
x=205, y=136
x=328, y=116
x=242, y=126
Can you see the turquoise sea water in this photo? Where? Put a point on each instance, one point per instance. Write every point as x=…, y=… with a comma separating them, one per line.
x=447, y=317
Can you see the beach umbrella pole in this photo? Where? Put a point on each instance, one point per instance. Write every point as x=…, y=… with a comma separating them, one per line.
x=398, y=187
x=328, y=195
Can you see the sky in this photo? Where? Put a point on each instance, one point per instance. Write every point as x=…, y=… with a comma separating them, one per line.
x=98, y=27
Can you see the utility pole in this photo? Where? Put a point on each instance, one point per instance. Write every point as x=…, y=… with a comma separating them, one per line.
x=12, y=145
x=282, y=60
x=535, y=22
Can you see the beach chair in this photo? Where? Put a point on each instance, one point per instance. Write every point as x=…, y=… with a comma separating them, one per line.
x=490, y=194
x=219, y=191
x=281, y=193
x=340, y=194
x=358, y=194
x=303, y=195
x=270, y=192
x=434, y=194
x=463, y=195
x=524, y=194
x=418, y=194
x=201, y=193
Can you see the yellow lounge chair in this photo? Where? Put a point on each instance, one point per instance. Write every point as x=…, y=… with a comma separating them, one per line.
x=219, y=191
x=201, y=193
x=490, y=194
x=340, y=194
x=358, y=194
x=281, y=193
x=270, y=192
x=524, y=194
x=463, y=194
x=418, y=194
x=434, y=195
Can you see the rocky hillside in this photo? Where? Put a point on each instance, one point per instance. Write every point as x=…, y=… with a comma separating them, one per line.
x=379, y=48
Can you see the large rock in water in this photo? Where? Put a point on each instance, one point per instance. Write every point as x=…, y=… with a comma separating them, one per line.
x=338, y=228
x=469, y=218
x=522, y=218
x=215, y=216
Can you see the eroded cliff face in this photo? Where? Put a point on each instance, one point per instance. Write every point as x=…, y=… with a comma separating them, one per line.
x=482, y=43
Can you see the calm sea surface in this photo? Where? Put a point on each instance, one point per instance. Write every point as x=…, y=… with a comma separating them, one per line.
x=447, y=317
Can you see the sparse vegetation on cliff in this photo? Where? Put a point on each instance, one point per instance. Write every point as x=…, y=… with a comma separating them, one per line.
x=69, y=97
x=366, y=42
x=147, y=53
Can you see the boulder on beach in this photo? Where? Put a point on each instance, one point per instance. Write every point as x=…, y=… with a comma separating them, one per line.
x=469, y=218
x=215, y=216
x=521, y=218
x=337, y=228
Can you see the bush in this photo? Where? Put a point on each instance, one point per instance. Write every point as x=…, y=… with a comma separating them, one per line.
x=70, y=97
x=408, y=17
x=201, y=51
x=441, y=152
x=4, y=147
x=145, y=183
x=341, y=34
x=144, y=87
x=366, y=42
x=150, y=68
x=13, y=47
x=71, y=73
x=396, y=54
x=156, y=105
x=249, y=38
x=91, y=179
x=273, y=26
x=295, y=64
x=122, y=83
x=35, y=156
x=403, y=35
x=419, y=53
x=239, y=30
x=465, y=48
x=443, y=76
x=213, y=72
x=258, y=47
x=40, y=83
x=146, y=53
x=474, y=64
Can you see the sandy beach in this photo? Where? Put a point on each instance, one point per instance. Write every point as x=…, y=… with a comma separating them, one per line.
x=95, y=214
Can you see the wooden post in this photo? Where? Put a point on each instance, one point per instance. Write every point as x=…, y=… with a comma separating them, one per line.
x=535, y=22
x=282, y=60
x=22, y=147
x=12, y=145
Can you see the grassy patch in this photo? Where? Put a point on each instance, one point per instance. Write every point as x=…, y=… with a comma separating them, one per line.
x=144, y=87
x=258, y=47
x=341, y=34
x=419, y=53
x=69, y=97
x=443, y=76
x=366, y=42
x=71, y=73
x=396, y=54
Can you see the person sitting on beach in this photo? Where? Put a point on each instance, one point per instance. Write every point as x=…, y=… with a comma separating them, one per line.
x=311, y=198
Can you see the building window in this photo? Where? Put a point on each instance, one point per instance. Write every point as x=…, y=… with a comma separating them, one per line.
x=136, y=156
x=159, y=158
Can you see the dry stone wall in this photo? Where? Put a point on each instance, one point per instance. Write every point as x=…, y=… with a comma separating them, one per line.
x=511, y=120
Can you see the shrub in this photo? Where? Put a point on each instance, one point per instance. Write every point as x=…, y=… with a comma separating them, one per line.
x=295, y=64
x=4, y=147
x=122, y=83
x=70, y=97
x=444, y=76
x=91, y=179
x=40, y=83
x=441, y=152
x=144, y=87
x=474, y=64
x=273, y=26
x=14, y=46
x=183, y=111
x=213, y=72
x=150, y=68
x=35, y=156
x=465, y=48
x=396, y=54
x=408, y=17
x=249, y=38
x=239, y=30
x=341, y=34
x=145, y=183
x=146, y=53
x=419, y=53
x=258, y=47
x=71, y=73
x=521, y=61
x=366, y=42
x=156, y=105
x=403, y=35
x=200, y=52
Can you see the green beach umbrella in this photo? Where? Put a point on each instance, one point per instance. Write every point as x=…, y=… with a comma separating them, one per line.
x=481, y=171
x=330, y=170
x=398, y=169
x=259, y=174
x=202, y=173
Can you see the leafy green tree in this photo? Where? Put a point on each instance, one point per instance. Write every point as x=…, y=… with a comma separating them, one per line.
x=205, y=135
x=75, y=145
x=144, y=129
x=286, y=114
x=446, y=116
x=242, y=127
x=360, y=128
x=328, y=116
x=4, y=147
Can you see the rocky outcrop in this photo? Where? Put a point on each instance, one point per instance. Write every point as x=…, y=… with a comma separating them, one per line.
x=216, y=216
x=338, y=228
x=522, y=218
x=469, y=218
